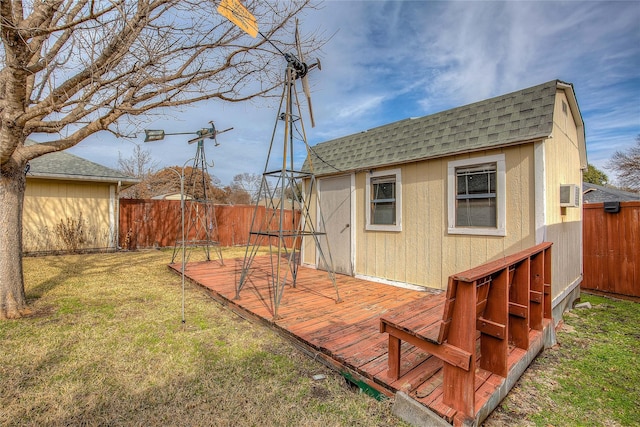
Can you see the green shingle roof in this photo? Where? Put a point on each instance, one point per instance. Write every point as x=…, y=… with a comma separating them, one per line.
x=62, y=165
x=513, y=118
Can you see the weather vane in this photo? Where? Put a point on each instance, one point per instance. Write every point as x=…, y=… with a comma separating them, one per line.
x=235, y=12
x=202, y=134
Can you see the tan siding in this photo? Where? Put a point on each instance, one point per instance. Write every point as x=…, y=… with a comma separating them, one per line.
x=435, y=218
x=520, y=200
x=562, y=160
x=478, y=249
x=309, y=246
x=516, y=200
x=49, y=202
x=394, y=256
x=365, y=251
x=415, y=195
x=423, y=253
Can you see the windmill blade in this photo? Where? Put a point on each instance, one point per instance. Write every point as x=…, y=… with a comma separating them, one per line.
x=298, y=47
x=305, y=87
x=305, y=81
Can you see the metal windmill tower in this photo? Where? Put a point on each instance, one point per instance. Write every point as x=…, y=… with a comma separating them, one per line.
x=199, y=224
x=202, y=229
x=282, y=189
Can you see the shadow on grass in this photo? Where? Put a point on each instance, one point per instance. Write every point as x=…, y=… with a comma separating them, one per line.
x=138, y=366
x=69, y=266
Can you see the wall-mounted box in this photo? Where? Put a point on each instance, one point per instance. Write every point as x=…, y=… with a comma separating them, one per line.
x=569, y=196
x=612, y=207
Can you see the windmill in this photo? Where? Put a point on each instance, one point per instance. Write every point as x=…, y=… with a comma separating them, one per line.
x=280, y=189
x=201, y=229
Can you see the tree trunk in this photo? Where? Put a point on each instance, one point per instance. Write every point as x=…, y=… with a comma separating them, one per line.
x=13, y=302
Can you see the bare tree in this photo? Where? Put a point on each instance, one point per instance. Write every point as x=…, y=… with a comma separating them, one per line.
x=139, y=165
x=248, y=183
x=627, y=166
x=197, y=184
x=237, y=196
x=71, y=68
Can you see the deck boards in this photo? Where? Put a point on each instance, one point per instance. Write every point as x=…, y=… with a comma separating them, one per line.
x=347, y=333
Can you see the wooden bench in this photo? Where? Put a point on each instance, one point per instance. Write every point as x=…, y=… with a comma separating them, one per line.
x=501, y=300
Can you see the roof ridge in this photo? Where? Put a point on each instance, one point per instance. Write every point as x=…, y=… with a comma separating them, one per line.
x=453, y=109
x=62, y=164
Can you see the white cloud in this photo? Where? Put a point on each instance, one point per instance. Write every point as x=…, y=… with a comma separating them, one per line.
x=389, y=60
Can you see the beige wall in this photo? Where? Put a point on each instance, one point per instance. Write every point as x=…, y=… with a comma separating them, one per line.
x=424, y=253
x=50, y=203
x=308, y=244
x=563, y=225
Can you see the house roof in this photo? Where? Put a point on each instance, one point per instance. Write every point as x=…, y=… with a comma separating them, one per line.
x=66, y=166
x=514, y=118
x=171, y=196
x=593, y=193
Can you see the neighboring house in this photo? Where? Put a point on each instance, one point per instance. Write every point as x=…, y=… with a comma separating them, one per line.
x=415, y=201
x=592, y=193
x=172, y=196
x=71, y=204
x=275, y=203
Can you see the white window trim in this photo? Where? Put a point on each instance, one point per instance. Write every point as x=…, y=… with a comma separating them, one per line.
x=398, y=224
x=501, y=202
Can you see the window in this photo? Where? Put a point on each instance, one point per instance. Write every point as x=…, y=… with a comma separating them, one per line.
x=383, y=200
x=384, y=196
x=477, y=196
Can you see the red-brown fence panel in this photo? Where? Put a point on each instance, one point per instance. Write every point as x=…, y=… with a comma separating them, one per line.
x=157, y=223
x=611, y=249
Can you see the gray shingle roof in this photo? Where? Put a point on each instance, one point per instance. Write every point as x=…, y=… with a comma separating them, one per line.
x=62, y=165
x=593, y=193
x=513, y=118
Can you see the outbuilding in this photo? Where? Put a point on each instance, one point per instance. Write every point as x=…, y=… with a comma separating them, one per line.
x=71, y=204
x=412, y=202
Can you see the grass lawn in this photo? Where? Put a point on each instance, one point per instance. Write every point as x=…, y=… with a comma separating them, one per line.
x=105, y=346
x=590, y=378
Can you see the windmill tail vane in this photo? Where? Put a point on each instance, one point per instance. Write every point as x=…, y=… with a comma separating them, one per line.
x=210, y=133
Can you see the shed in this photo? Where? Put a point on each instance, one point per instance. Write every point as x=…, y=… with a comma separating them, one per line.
x=71, y=204
x=412, y=202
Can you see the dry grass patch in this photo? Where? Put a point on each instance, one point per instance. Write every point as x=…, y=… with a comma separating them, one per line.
x=106, y=346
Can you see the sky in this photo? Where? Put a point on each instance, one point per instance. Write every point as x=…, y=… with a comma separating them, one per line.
x=389, y=60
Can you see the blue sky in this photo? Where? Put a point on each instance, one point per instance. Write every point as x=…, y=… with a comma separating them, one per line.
x=389, y=60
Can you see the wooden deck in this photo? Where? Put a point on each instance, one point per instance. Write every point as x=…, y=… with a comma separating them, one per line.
x=346, y=335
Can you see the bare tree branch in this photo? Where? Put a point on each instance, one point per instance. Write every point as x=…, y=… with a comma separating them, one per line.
x=627, y=166
x=71, y=68
x=94, y=62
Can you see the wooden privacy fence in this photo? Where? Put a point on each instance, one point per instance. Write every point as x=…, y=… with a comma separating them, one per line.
x=611, y=248
x=157, y=223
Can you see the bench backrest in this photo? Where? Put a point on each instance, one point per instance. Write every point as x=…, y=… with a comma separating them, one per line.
x=483, y=276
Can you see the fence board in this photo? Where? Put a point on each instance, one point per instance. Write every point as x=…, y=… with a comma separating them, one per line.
x=611, y=249
x=157, y=223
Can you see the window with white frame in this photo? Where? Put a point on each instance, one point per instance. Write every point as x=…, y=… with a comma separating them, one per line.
x=477, y=196
x=384, y=200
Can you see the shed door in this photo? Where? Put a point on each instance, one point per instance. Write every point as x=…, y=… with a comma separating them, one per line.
x=335, y=203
